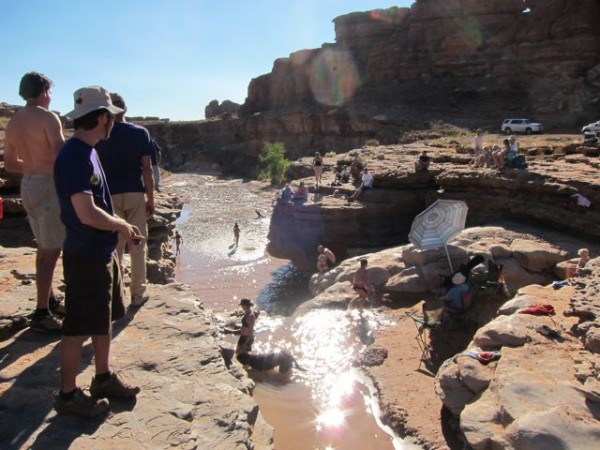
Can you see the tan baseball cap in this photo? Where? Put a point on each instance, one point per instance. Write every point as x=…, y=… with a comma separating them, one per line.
x=90, y=99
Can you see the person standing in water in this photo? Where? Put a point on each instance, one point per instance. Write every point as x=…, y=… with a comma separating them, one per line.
x=236, y=233
x=246, y=339
x=178, y=242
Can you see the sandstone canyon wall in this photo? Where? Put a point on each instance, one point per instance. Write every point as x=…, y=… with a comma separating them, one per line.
x=469, y=62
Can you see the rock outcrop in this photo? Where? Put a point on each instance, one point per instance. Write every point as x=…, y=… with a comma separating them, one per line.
x=544, y=390
x=225, y=109
x=383, y=215
x=170, y=348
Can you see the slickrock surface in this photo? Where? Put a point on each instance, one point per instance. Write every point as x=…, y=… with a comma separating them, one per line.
x=531, y=364
x=189, y=398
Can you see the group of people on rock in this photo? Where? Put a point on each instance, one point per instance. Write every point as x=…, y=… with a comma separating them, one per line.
x=496, y=156
x=88, y=197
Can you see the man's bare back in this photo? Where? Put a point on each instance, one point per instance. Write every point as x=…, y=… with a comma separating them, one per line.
x=33, y=137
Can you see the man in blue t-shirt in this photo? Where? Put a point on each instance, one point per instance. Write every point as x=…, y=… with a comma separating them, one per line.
x=93, y=295
x=126, y=158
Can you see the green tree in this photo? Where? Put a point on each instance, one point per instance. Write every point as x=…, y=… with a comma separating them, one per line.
x=273, y=162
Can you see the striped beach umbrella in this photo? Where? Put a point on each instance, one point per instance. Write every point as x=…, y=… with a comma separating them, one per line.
x=438, y=225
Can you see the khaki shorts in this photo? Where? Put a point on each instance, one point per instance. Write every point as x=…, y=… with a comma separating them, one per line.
x=43, y=210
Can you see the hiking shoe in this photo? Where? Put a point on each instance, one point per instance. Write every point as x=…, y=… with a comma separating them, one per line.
x=56, y=307
x=80, y=404
x=113, y=387
x=46, y=324
x=139, y=300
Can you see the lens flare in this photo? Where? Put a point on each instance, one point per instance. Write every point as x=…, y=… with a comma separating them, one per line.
x=333, y=77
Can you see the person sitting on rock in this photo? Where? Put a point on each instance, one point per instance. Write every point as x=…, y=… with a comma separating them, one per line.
x=498, y=155
x=329, y=256
x=422, y=162
x=575, y=269
x=322, y=265
x=342, y=176
x=300, y=197
x=367, y=183
x=286, y=195
x=459, y=296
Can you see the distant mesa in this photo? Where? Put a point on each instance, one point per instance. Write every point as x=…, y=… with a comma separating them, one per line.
x=225, y=109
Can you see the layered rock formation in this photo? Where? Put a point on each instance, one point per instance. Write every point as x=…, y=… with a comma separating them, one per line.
x=384, y=214
x=224, y=109
x=463, y=61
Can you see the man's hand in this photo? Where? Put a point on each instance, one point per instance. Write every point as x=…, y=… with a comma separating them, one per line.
x=131, y=234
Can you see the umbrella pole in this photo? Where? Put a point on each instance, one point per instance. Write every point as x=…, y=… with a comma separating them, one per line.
x=449, y=261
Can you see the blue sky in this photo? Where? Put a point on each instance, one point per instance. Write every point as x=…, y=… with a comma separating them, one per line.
x=167, y=58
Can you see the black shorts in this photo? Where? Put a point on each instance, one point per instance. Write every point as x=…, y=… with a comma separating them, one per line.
x=93, y=296
x=245, y=344
x=360, y=288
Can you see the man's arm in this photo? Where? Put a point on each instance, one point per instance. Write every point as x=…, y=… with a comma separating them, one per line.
x=54, y=133
x=91, y=215
x=148, y=183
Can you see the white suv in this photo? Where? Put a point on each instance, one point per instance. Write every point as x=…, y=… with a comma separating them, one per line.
x=591, y=127
x=510, y=126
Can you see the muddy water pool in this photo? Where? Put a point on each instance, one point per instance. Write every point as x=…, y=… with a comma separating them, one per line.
x=330, y=405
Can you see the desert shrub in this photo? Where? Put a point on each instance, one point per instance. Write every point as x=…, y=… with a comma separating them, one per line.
x=371, y=143
x=273, y=162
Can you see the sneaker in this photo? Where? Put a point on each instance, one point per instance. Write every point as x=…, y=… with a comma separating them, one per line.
x=46, y=324
x=139, y=300
x=113, y=387
x=80, y=404
x=56, y=307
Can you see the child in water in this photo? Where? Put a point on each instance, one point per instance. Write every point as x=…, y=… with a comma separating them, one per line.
x=246, y=339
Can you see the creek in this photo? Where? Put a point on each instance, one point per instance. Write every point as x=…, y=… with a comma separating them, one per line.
x=330, y=404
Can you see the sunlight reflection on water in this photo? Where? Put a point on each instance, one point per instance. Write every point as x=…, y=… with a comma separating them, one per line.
x=331, y=397
x=328, y=405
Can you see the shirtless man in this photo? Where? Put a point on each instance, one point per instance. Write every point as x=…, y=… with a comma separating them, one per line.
x=33, y=137
x=360, y=283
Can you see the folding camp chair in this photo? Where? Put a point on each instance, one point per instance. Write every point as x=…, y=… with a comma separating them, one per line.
x=430, y=319
x=494, y=282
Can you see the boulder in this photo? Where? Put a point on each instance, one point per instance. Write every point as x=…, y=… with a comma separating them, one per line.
x=535, y=256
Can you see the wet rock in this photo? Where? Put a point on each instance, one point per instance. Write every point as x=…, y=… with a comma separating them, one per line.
x=373, y=356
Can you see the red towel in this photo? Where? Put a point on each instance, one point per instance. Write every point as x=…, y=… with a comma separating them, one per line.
x=540, y=310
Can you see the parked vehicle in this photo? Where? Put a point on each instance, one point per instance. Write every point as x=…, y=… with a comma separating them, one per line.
x=527, y=126
x=591, y=128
